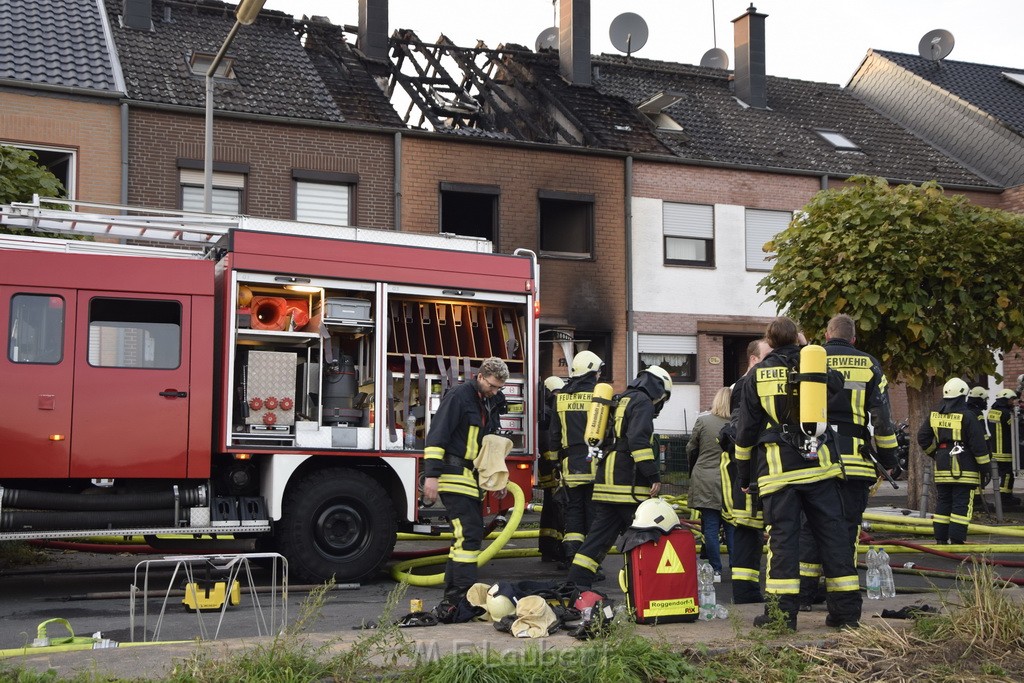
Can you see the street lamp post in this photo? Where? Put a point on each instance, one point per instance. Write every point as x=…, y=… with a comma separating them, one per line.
x=245, y=14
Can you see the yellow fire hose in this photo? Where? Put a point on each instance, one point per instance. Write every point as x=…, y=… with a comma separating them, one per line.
x=45, y=644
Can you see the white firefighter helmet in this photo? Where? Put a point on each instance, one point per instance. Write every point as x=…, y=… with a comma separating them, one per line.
x=554, y=383
x=954, y=387
x=978, y=392
x=662, y=374
x=584, y=362
x=655, y=513
x=499, y=604
x=1006, y=393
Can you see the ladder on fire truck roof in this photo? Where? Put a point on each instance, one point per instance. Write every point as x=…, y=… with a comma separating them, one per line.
x=192, y=231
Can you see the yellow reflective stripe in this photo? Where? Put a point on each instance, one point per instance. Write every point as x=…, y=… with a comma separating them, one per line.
x=743, y=452
x=473, y=443
x=773, y=456
x=745, y=574
x=573, y=537
x=886, y=441
x=782, y=586
x=433, y=453
x=581, y=560
x=550, y=533
x=643, y=454
x=842, y=583
x=465, y=556
x=771, y=484
x=551, y=455
x=1004, y=457
x=810, y=570
x=940, y=519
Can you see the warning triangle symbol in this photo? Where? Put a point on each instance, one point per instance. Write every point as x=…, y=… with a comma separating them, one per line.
x=670, y=562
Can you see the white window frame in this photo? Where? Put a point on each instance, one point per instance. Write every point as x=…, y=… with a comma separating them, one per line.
x=227, y=191
x=693, y=223
x=70, y=186
x=762, y=225
x=669, y=351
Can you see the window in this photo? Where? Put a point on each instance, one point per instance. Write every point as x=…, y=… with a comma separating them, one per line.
x=676, y=354
x=838, y=140
x=325, y=198
x=60, y=162
x=200, y=62
x=470, y=210
x=689, y=234
x=226, y=191
x=763, y=226
x=134, y=333
x=37, y=329
x=566, y=225
x=1014, y=77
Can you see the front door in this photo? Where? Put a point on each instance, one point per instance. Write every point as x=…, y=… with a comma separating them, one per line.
x=132, y=388
x=36, y=375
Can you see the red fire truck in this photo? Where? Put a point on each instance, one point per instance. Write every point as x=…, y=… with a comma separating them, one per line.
x=201, y=377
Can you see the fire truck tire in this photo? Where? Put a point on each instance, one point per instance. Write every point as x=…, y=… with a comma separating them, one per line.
x=335, y=522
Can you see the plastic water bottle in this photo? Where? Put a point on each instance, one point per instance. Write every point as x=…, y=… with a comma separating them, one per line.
x=410, y=432
x=706, y=590
x=888, y=583
x=874, y=575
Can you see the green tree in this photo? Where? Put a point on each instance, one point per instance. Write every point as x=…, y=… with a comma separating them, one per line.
x=931, y=279
x=21, y=176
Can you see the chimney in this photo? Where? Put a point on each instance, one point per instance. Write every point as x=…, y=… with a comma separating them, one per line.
x=574, y=41
x=137, y=14
x=373, y=28
x=750, y=75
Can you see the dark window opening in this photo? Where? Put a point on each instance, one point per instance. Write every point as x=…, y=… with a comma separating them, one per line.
x=566, y=228
x=470, y=214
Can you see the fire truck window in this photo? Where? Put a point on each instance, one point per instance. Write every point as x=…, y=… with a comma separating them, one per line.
x=134, y=333
x=37, y=329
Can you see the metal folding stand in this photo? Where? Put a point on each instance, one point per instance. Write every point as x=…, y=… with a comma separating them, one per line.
x=235, y=567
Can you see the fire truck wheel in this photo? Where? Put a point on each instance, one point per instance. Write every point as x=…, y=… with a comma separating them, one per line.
x=335, y=522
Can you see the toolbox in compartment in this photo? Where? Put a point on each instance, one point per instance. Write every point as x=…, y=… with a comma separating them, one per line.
x=345, y=308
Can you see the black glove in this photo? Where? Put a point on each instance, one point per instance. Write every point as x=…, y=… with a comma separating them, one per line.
x=986, y=478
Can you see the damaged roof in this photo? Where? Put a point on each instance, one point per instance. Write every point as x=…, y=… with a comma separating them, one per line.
x=55, y=43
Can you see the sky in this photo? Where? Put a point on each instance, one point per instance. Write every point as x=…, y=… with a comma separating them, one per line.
x=814, y=40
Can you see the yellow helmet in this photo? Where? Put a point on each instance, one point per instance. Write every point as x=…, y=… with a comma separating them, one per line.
x=1006, y=393
x=584, y=362
x=499, y=604
x=978, y=392
x=954, y=387
x=662, y=374
x=554, y=383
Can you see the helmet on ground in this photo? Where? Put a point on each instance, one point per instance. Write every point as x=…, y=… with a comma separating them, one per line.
x=554, y=383
x=662, y=374
x=1006, y=393
x=954, y=387
x=655, y=513
x=499, y=601
x=978, y=392
x=584, y=362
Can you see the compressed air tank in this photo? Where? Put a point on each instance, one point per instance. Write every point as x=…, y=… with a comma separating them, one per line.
x=813, y=390
x=597, y=415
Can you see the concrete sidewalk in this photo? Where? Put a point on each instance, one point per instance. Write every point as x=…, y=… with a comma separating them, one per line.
x=153, y=662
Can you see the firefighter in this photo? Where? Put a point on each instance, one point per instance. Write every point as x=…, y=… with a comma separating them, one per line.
x=1000, y=419
x=628, y=474
x=859, y=415
x=741, y=508
x=954, y=439
x=552, y=521
x=577, y=467
x=467, y=413
x=977, y=400
x=795, y=474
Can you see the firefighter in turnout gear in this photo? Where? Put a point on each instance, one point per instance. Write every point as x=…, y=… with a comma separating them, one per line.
x=552, y=520
x=627, y=474
x=568, y=425
x=742, y=508
x=863, y=401
x=977, y=400
x=796, y=474
x=467, y=413
x=1000, y=419
x=954, y=439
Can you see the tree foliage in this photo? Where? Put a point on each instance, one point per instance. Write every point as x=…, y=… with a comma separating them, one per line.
x=21, y=176
x=932, y=280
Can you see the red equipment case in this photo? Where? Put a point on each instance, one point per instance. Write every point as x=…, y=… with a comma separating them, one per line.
x=660, y=579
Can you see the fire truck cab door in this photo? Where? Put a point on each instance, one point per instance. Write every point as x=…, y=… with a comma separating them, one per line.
x=131, y=410
x=36, y=373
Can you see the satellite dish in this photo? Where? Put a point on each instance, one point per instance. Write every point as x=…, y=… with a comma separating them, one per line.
x=935, y=44
x=547, y=39
x=628, y=32
x=716, y=58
